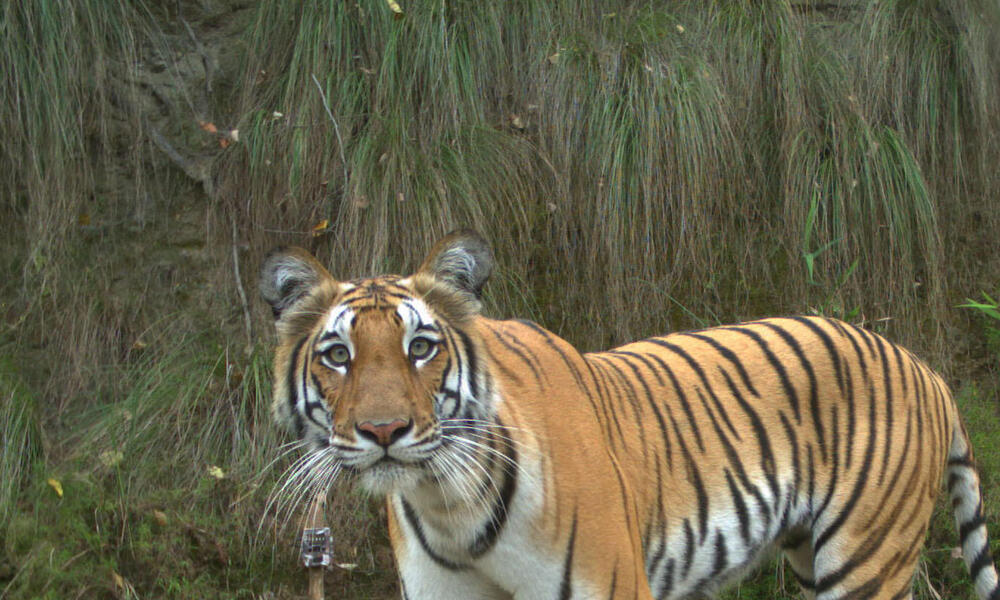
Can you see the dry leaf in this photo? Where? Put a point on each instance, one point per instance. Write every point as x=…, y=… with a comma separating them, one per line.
x=54, y=484
x=209, y=127
x=517, y=122
x=321, y=228
x=234, y=135
x=139, y=345
x=680, y=29
x=347, y=566
x=956, y=552
x=395, y=8
x=554, y=58
x=224, y=142
x=216, y=472
x=400, y=197
x=118, y=580
x=83, y=219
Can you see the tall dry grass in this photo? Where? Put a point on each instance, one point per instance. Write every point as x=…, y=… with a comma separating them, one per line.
x=683, y=157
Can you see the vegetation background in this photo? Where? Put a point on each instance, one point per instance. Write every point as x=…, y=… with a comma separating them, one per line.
x=640, y=167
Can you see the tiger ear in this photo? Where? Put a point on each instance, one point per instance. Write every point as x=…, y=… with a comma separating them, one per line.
x=462, y=260
x=288, y=275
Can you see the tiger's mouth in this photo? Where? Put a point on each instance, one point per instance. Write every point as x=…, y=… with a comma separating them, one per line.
x=388, y=474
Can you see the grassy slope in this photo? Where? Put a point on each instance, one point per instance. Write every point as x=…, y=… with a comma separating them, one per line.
x=709, y=161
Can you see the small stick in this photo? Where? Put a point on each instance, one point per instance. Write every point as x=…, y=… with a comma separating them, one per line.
x=243, y=294
x=314, y=520
x=336, y=129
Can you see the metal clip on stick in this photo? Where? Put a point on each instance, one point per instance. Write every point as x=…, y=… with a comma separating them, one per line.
x=316, y=548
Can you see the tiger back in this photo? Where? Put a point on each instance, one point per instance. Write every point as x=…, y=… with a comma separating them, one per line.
x=516, y=467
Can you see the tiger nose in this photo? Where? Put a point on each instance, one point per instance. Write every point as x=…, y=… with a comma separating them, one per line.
x=384, y=434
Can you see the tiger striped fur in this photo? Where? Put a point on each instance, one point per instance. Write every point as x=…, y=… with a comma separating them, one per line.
x=516, y=467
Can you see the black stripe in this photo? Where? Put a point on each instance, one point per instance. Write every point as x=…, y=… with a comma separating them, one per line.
x=767, y=463
x=614, y=583
x=681, y=397
x=741, y=508
x=570, y=366
x=776, y=364
x=604, y=385
x=850, y=399
x=813, y=384
x=472, y=362
x=667, y=580
x=656, y=409
x=966, y=529
x=633, y=396
x=834, y=477
x=688, y=547
x=701, y=375
x=721, y=554
x=728, y=355
x=566, y=587
x=887, y=402
x=529, y=362
x=845, y=510
x=487, y=538
x=962, y=461
x=737, y=464
x=300, y=426
x=414, y=521
x=793, y=445
x=865, y=336
x=694, y=474
x=983, y=560
x=610, y=415
x=831, y=349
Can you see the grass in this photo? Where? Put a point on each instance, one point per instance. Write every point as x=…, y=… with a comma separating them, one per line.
x=137, y=483
x=707, y=162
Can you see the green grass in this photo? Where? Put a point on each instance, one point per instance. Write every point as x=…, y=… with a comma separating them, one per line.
x=19, y=430
x=139, y=499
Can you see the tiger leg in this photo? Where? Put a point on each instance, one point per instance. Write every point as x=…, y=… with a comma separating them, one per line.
x=799, y=554
x=424, y=580
x=859, y=556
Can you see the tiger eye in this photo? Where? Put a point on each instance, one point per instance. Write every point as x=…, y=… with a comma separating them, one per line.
x=420, y=348
x=339, y=354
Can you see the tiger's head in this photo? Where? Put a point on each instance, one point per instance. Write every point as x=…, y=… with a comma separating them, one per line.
x=380, y=376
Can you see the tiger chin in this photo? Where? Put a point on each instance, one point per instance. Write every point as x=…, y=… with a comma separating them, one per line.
x=514, y=466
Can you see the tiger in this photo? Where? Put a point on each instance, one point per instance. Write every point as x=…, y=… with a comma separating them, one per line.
x=515, y=467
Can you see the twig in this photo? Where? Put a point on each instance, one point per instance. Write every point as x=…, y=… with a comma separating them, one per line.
x=206, y=60
x=336, y=128
x=314, y=519
x=927, y=579
x=194, y=170
x=242, y=293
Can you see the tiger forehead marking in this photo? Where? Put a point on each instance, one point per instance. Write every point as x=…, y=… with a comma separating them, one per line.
x=516, y=467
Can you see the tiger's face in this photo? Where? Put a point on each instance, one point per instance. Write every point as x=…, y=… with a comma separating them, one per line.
x=379, y=376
